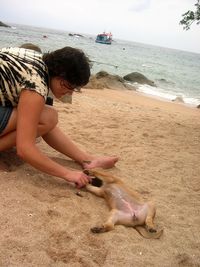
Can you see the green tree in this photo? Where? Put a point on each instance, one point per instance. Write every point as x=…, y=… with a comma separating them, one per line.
x=191, y=16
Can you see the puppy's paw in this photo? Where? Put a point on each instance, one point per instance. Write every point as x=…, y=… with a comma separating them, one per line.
x=97, y=229
x=151, y=229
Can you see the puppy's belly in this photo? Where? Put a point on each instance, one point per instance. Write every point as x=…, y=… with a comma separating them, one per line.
x=133, y=216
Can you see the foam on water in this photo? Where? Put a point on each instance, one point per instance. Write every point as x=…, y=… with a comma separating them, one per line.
x=160, y=93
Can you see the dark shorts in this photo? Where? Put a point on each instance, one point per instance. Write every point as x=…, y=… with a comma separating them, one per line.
x=5, y=113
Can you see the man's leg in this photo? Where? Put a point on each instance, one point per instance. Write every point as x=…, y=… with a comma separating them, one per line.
x=54, y=137
x=47, y=121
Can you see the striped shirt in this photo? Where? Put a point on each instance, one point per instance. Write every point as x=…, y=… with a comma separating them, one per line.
x=21, y=69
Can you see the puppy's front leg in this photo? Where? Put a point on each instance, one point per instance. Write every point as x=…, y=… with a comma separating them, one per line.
x=98, y=191
x=109, y=224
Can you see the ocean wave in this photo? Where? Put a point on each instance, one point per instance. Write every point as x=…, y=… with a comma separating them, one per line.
x=161, y=93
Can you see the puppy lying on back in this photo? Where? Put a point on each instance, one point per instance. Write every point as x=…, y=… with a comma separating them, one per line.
x=126, y=207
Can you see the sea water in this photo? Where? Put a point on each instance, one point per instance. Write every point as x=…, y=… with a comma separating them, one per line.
x=175, y=72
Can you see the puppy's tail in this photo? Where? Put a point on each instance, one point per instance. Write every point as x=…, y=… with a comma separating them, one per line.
x=150, y=235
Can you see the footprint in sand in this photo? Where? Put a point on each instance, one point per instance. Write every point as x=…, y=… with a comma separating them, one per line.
x=53, y=213
x=59, y=247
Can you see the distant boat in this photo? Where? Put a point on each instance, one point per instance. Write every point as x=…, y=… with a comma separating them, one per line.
x=104, y=38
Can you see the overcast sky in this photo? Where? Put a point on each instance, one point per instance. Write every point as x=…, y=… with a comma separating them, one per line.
x=146, y=21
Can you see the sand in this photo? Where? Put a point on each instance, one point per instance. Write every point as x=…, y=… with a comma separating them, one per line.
x=45, y=223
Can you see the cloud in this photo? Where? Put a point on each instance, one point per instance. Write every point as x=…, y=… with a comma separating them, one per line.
x=140, y=5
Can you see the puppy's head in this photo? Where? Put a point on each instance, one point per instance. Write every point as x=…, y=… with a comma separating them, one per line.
x=96, y=181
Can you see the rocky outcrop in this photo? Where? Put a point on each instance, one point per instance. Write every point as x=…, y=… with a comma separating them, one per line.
x=31, y=47
x=178, y=99
x=138, y=78
x=75, y=35
x=4, y=25
x=103, y=80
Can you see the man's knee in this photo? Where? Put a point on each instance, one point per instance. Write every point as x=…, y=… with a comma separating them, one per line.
x=49, y=118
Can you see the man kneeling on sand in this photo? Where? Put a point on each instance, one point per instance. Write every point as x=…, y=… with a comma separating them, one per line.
x=25, y=80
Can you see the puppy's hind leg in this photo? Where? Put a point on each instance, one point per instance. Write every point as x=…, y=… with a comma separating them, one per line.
x=150, y=217
x=108, y=225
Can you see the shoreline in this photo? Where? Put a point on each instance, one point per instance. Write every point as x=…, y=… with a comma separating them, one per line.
x=103, y=79
x=150, y=100
x=167, y=100
x=158, y=95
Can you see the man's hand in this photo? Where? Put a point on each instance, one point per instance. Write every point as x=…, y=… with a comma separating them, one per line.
x=78, y=177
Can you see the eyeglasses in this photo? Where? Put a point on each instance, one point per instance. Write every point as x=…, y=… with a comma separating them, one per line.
x=66, y=85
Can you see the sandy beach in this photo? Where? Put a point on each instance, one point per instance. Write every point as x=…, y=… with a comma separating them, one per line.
x=45, y=223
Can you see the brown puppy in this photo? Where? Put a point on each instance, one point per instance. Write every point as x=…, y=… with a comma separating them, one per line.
x=126, y=207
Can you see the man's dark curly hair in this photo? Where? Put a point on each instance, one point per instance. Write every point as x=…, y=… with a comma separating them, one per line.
x=69, y=63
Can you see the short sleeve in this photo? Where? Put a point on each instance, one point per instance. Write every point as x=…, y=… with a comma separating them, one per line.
x=35, y=82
